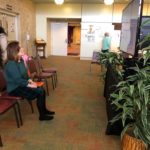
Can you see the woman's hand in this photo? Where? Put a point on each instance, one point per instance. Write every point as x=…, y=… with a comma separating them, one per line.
x=32, y=85
x=30, y=81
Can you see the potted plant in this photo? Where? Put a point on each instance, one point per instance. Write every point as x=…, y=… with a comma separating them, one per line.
x=132, y=97
x=112, y=58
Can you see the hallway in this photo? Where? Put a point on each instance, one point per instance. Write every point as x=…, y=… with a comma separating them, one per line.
x=74, y=49
x=80, y=119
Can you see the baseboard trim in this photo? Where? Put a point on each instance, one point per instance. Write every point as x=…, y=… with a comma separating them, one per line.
x=85, y=58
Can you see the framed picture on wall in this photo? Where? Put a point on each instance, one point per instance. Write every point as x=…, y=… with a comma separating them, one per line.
x=10, y=25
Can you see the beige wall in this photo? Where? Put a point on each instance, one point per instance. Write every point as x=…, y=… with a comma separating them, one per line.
x=90, y=14
x=87, y=12
x=146, y=10
x=27, y=25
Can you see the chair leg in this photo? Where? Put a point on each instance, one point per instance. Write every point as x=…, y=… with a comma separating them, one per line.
x=56, y=77
x=32, y=109
x=16, y=116
x=53, y=83
x=47, y=89
x=1, y=143
x=19, y=113
x=90, y=66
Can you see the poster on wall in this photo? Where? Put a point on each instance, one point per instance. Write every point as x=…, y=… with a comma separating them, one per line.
x=90, y=35
x=94, y=32
x=8, y=22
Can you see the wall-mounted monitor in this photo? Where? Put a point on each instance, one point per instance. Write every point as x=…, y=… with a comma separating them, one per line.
x=145, y=30
x=131, y=18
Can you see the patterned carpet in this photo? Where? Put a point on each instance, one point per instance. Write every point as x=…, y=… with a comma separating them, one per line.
x=80, y=119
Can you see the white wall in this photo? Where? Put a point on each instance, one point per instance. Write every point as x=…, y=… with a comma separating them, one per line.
x=99, y=16
x=97, y=13
x=44, y=11
x=93, y=41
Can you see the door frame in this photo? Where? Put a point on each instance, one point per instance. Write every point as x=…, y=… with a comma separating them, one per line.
x=59, y=20
x=59, y=32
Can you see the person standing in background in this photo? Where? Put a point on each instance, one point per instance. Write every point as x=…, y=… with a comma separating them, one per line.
x=106, y=43
x=3, y=43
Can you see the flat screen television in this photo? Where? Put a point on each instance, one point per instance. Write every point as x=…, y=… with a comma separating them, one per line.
x=131, y=19
x=144, y=30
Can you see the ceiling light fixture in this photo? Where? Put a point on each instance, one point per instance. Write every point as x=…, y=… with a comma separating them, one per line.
x=108, y=2
x=59, y=2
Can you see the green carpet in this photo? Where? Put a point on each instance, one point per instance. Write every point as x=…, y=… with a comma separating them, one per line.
x=80, y=119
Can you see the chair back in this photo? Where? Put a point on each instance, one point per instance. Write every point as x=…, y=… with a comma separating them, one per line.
x=32, y=68
x=96, y=56
x=38, y=59
x=3, y=83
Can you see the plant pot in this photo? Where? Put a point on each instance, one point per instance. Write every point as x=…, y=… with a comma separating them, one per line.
x=131, y=143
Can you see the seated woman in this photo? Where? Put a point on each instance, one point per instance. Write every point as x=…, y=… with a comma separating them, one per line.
x=19, y=84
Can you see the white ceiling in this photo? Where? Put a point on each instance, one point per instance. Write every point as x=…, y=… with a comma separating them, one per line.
x=82, y=1
x=87, y=1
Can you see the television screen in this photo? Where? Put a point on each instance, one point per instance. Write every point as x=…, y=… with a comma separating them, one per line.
x=130, y=20
x=144, y=30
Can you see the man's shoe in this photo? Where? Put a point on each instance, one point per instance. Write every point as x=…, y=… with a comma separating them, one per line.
x=48, y=112
x=45, y=118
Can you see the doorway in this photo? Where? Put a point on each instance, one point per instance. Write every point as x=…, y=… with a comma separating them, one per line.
x=59, y=38
x=66, y=43
x=74, y=37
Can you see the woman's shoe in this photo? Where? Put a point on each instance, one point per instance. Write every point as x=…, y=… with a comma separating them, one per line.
x=45, y=118
x=48, y=112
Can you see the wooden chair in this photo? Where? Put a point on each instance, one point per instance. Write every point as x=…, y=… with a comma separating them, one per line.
x=47, y=70
x=36, y=74
x=4, y=93
x=5, y=105
x=1, y=143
